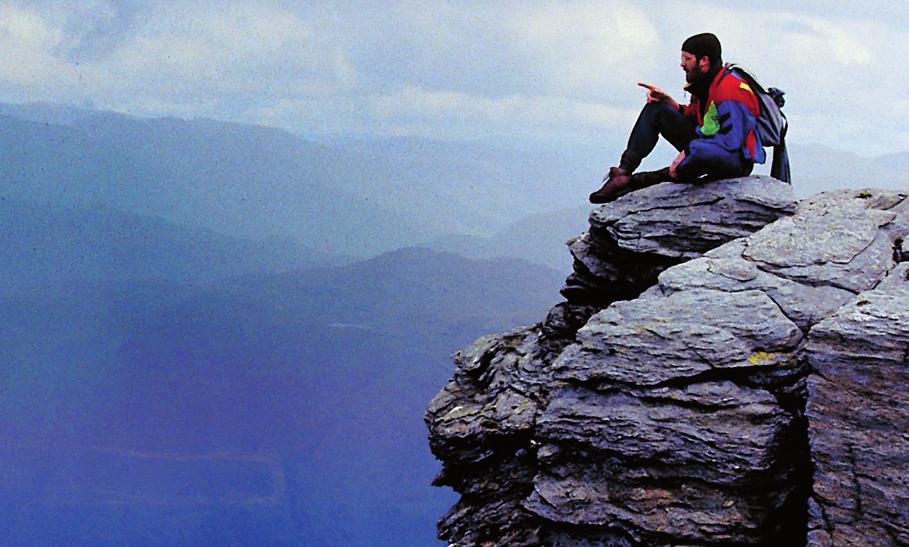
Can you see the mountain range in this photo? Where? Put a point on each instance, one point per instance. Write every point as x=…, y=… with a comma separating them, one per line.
x=219, y=333
x=296, y=397
x=46, y=247
x=357, y=198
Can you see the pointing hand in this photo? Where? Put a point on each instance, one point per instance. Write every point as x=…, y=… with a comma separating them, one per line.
x=657, y=95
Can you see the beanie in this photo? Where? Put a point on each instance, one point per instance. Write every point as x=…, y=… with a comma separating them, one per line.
x=704, y=44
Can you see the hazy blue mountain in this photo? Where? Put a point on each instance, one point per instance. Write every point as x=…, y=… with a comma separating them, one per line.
x=172, y=373
x=48, y=113
x=538, y=238
x=353, y=197
x=278, y=409
x=816, y=168
x=248, y=182
x=478, y=189
x=49, y=247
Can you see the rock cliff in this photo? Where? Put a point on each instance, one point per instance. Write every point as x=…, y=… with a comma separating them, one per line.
x=729, y=367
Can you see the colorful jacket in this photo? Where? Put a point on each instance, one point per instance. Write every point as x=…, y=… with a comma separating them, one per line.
x=726, y=140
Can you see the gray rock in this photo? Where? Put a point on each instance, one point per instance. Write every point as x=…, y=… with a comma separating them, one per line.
x=834, y=240
x=859, y=427
x=480, y=426
x=561, y=324
x=685, y=220
x=500, y=521
x=803, y=304
x=649, y=512
x=718, y=431
x=634, y=238
x=680, y=388
x=664, y=403
x=608, y=264
x=492, y=396
x=650, y=341
x=604, y=272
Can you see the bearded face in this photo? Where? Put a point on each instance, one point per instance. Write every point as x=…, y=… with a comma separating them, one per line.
x=693, y=67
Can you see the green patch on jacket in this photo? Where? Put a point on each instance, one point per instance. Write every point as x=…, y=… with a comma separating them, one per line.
x=711, y=121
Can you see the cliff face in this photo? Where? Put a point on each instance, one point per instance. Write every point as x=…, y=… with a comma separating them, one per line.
x=726, y=369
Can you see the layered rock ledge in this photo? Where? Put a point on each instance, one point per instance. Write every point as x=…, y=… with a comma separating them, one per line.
x=664, y=403
x=858, y=418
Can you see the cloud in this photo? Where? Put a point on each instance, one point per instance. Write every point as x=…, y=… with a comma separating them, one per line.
x=585, y=45
x=901, y=107
x=449, y=69
x=821, y=41
x=336, y=115
x=447, y=114
x=240, y=50
x=27, y=41
x=183, y=54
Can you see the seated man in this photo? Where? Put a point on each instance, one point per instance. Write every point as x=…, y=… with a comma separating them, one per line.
x=715, y=133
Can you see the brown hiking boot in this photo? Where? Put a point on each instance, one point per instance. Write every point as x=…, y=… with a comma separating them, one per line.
x=617, y=184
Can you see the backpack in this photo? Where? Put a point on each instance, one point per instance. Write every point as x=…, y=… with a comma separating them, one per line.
x=772, y=124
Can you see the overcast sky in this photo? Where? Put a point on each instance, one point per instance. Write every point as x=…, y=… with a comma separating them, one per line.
x=496, y=71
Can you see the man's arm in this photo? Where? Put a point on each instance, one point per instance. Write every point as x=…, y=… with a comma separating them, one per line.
x=657, y=95
x=674, y=166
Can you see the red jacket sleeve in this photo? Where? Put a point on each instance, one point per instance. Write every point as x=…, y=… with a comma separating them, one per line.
x=690, y=110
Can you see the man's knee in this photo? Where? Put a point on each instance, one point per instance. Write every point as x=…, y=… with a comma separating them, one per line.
x=658, y=112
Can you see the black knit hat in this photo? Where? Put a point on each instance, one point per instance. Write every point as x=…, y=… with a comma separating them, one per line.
x=704, y=44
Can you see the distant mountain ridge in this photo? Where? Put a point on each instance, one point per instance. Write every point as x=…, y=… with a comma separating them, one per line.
x=316, y=377
x=239, y=181
x=538, y=238
x=47, y=247
x=818, y=168
x=359, y=197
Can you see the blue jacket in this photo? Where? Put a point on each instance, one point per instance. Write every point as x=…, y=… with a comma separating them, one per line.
x=726, y=141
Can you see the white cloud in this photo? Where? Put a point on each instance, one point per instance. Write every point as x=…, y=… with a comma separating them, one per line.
x=586, y=45
x=326, y=115
x=184, y=54
x=238, y=48
x=453, y=70
x=27, y=41
x=821, y=42
x=433, y=111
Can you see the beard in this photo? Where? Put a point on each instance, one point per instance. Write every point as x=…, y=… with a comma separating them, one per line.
x=694, y=74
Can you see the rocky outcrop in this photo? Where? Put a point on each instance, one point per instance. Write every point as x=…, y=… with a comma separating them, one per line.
x=632, y=240
x=664, y=403
x=858, y=419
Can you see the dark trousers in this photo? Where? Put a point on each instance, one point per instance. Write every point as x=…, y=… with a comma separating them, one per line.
x=656, y=119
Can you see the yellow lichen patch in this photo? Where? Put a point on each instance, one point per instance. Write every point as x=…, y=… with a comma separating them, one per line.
x=524, y=407
x=759, y=358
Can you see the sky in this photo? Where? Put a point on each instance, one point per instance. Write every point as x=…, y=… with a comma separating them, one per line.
x=505, y=72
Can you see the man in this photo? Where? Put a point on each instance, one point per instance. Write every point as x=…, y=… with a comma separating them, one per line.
x=715, y=133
